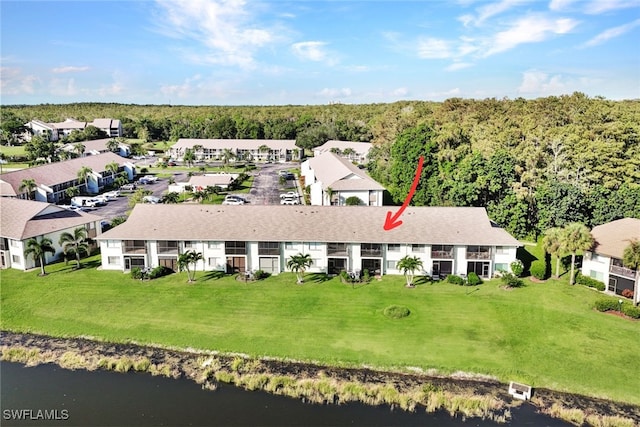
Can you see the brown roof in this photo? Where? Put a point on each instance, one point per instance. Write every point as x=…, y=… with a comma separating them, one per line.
x=612, y=238
x=435, y=225
x=22, y=219
x=340, y=174
x=56, y=173
x=99, y=145
x=212, y=179
x=361, y=148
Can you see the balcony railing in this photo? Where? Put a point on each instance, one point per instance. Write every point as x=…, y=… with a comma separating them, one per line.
x=167, y=250
x=371, y=252
x=478, y=255
x=337, y=249
x=268, y=251
x=442, y=254
x=134, y=249
x=622, y=271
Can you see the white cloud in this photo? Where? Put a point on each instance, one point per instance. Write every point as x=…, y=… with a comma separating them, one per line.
x=559, y=5
x=225, y=28
x=335, y=93
x=612, y=33
x=310, y=51
x=431, y=48
x=69, y=69
x=458, y=66
x=529, y=29
x=199, y=87
x=489, y=10
x=14, y=82
x=539, y=83
x=596, y=7
x=63, y=87
x=455, y=92
x=401, y=91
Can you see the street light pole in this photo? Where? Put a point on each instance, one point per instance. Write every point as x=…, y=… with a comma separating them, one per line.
x=620, y=305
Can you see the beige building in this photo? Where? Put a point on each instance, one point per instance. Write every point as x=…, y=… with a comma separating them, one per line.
x=448, y=240
x=353, y=151
x=21, y=220
x=272, y=150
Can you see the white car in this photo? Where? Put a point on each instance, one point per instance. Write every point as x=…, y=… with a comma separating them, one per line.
x=151, y=199
x=112, y=195
x=290, y=201
x=289, y=195
x=233, y=202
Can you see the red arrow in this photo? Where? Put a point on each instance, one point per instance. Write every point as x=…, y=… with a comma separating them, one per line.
x=392, y=220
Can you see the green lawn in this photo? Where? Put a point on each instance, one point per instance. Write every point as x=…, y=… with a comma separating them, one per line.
x=14, y=150
x=543, y=334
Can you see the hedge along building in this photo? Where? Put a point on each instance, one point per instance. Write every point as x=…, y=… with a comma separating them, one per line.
x=448, y=240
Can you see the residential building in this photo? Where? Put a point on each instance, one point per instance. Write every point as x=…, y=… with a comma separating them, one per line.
x=353, y=151
x=53, y=179
x=97, y=146
x=604, y=261
x=56, y=131
x=21, y=220
x=333, y=179
x=200, y=182
x=448, y=240
x=266, y=150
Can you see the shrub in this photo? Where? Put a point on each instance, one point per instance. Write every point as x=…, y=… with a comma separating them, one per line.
x=261, y=274
x=606, y=304
x=456, y=280
x=631, y=311
x=511, y=280
x=589, y=282
x=517, y=268
x=627, y=293
x=159, y=271
x=136, y=273
x=365, y=276
x=538, y=270
x=396, y=311
x=473, y=279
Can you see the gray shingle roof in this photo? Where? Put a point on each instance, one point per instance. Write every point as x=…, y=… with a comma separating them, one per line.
x=612, y=238
x=22, y=219
x=435, y=225
x=56, y=173
x=340, y=174
x=243, y=144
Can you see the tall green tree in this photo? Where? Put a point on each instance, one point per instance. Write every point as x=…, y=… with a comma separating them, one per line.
x=552, y=244
x=186, y=260
x=83, y=175
x=409, y=265
x=112, y=167
x=298, y=264
x=631, y=259
x=576, y=237
x=38, y=250
x=29, y=186
x=189, y=157
x=113, y=145
x=73, y=244
x=79, y=148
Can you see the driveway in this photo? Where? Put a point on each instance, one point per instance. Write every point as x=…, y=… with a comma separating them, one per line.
x=266, y=184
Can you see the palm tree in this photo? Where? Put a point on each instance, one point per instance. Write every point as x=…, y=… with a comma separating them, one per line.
x=349, y=152
x=264, y=149
x=113, y=145
x=73, y=244
x=631, y=259
x=28, y=185
x=227, y=155
x=409, y=265
x=299, y=263
x=38, y=250
x=576, y=237
x=113, y=168
x=552, y=244
x=330, y=192
x=189, y=157
x=79, y=148
x=186, y=259
x=71, y=192
x=171, y=197
x=83, y=175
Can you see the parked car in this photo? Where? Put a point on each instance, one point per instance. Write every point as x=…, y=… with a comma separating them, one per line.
x=101, y=199
x=112, y=195
x=148, y=179
x=171, y=163
x=128, y=187
x=151, y=199
x=289, y=195
x=290, y=201
x=235, y=197
x=233, y=202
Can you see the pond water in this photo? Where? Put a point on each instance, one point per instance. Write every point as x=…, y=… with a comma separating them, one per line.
x=48, y=395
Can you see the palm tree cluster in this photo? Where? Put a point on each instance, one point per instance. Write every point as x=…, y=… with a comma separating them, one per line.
x=409, y=265
x=572, y=238
x=298, y=264
x=186, y=260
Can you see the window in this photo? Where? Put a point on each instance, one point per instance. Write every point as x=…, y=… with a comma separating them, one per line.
x=190, y=244
x=212, y=262
x=113, y=260
x=315, y=246
x=14, y=243
x=417, y=248
x=391, y=265
x=501, y=266
x=337, y=249
x=290, y=245
x=113, y=244
x=371, y=249
x=502, y=250
x=393, y=247
x=15, y=259
x=214, y=245
x=235, y=248
x=268, y=248
x=442, y=251
x=598, y=275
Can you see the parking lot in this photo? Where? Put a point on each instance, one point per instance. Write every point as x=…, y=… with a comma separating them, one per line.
x=265, y=190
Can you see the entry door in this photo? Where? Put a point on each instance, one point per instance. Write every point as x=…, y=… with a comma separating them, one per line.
x=171, y=263
x=235, y=264
x=613, y=284
x=336, y=265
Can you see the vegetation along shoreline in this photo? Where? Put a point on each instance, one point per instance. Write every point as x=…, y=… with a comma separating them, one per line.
x=459, y=395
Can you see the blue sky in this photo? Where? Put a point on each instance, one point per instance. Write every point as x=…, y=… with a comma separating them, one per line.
x=277, y=52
